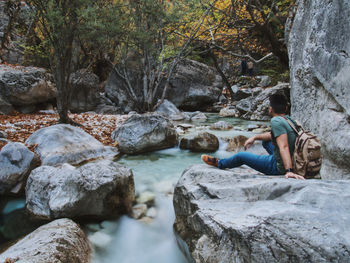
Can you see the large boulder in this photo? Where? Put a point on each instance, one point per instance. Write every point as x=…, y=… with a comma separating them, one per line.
x=257, y=107
x=319, y=48
x=63, y=143
x=194, y=86
x=202, y=142
x=224, y=217
x=23, y=86
x=102, y=189
x=84, y=93
x=144, y=133
x=16, y=162
x=59, y=241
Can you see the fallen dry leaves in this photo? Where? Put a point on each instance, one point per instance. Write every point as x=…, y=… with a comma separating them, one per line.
x=20, y=126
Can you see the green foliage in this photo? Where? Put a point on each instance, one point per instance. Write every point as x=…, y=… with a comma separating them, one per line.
x=272, y=68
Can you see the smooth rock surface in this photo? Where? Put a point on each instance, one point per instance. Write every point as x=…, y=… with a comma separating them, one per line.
x=102, y=189
x=170, y=110
x=145, y=133
x=319, y=50
x=26, y=85
x=16, y=162
x=224, y=216
x=63, y=143
x=202, y=142
x=60, y=241
x=221, y=125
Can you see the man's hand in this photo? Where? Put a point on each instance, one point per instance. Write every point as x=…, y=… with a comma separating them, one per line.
x=293, y=175
x=249, y=143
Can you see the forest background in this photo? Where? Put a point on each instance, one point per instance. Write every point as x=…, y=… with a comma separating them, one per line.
x=147, y=39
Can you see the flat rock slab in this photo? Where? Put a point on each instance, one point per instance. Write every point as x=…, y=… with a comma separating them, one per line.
x=63, y=143
x=228, y=217
x=59, y=241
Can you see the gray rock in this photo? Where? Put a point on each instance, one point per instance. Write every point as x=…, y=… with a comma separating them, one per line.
x=145, y=133
x=221, y=125
x=63, y=143
x=139, y=211
x=59, y=241
x=240, y=94
x=203, y=142
x=264, y=81
x=102, y=189
x=84, y=94
x=257, y=107
x=319, y=48
x=16, y=162
x=194, y=86
x=3, y=134
x=200, y=116
x=26, y=85
x=169, y=109
x=5, y=107
x=228, y=217
x=229, y=112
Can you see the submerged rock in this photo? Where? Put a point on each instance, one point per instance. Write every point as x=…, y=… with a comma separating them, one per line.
x=16, y=162
x=221, y=125
x=224, y=216
x=59, y=241
x=145, y=133
x=236, y=143
x=203, y=142
x=102, y=189
x=63, y=143
x=319, y=50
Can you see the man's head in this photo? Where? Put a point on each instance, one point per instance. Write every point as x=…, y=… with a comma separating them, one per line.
x=278, y=104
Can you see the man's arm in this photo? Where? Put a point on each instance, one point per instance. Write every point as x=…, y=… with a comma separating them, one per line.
x=282, y=142
x=260, y=137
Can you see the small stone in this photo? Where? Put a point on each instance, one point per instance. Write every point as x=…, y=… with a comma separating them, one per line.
x=139, y=211
x=199, y=116
x=221, y=125
x=146, y=198
x=152, y=212
x=100, y=239
x=146, y=220
x=3, y=134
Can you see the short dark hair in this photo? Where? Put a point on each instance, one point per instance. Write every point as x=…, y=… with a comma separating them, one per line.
x=279, y=103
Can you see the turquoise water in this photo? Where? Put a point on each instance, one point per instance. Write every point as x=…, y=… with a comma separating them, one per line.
x=128, y=240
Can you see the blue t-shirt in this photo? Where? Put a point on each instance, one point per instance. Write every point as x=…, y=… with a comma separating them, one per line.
x=280, y=126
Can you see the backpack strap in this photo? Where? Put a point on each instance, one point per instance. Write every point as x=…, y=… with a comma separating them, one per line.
x=291, y=124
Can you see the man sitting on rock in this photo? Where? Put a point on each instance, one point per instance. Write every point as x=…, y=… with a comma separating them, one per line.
x=279, y=143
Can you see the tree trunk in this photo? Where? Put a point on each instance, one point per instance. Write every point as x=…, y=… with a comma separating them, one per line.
x=62, y=91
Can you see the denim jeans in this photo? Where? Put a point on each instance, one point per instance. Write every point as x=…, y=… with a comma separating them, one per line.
x=265, y=164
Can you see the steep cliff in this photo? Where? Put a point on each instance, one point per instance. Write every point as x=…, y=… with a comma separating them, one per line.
x=319, y=53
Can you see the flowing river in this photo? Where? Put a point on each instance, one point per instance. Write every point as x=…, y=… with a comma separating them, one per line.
x=127, y=240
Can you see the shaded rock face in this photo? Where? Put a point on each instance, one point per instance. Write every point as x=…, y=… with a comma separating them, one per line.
x=319, y=48
x=63, y=143
x=257, y=107
x=228, y=217
x=16, y=162
x=102, y=189
x=5, y=107
x=203, y=142
x=145, y=133
x=59, y=241
x=23, y=86
x=84, y=94
x=193, y=86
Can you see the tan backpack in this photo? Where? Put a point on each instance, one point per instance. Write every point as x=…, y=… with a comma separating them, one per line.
x=307, y=157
